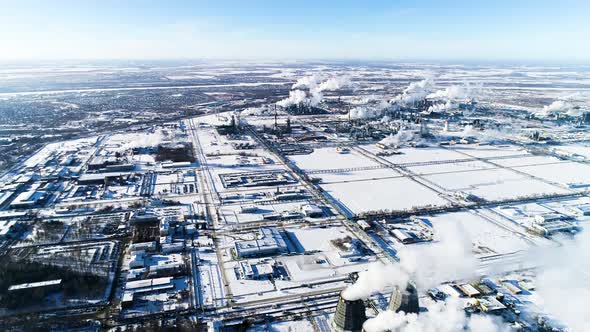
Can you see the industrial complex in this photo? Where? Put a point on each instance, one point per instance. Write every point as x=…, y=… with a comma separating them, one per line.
x=309, y=205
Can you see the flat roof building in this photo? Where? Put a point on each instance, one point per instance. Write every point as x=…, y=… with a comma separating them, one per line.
x=270, y=243
x=149, y=285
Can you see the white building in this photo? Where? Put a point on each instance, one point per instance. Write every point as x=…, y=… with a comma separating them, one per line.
x=270, y=243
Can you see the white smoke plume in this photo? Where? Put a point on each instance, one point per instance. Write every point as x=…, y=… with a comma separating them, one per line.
x=364, y=113
x=560, y=107
x=489, y=135
x=335, y=83
x=309, y=89
x=137, y=140
x=564, y=281
x=451, y=92
x=377, y=278
x=446, y=316
x=449, y=258
x=295, y=97
x=456, y=92
x=469, y=131
x=441, y=108
x=400, y=138
x=309, y=82
x=253, y=111
x=369, y=111
x=416, y=91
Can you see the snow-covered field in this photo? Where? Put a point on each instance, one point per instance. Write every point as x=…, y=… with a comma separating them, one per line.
x=329, y=158
x=565, y=173
x=391, y=194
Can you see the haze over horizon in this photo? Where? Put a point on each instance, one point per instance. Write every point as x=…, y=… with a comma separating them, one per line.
x=379, y=30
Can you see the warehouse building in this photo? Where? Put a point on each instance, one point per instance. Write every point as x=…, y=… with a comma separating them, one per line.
x=270, y=243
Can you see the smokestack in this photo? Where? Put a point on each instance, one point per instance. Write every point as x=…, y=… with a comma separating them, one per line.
x=349, y=316
x=404, y=300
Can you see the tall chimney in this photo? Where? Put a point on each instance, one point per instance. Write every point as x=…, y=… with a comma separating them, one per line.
x=349, y=316
x=404, y=300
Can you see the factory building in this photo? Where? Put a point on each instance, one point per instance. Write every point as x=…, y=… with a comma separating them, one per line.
x=312, y=211
x=550, y=223
x=143, y=246
x=270, y=243
x=27, y=199
x=101, y=178
x=149, y=285
x=255, y=271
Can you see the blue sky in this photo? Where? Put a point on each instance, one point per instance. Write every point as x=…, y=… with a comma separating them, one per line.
x=381, y=30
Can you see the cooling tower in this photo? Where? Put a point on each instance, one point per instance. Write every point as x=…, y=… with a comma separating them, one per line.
x=349, y=316
x=406, y=301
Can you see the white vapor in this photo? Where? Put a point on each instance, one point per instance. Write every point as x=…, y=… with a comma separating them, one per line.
x=443, y=107
x=401, y=137
x=446, y=316
x=375, y=279
x=414, y=92
x=560, y=107
x=335, y=83
x=456, y=92
x=564, y=281
x=295, y=97
x=449, y=258
x=451, y=92
x=309, y=89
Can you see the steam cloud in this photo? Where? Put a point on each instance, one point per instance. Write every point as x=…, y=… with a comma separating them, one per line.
x=456, y=92
x=138, y=140
x=441, y=108
x=418, y=91
x=560, y=107
x=414, y=92
x=450, y=258
x=309, y=89
x=401, y=137
x=446, y=316
x=377, y=278
x=563, y=282
x=488, y=135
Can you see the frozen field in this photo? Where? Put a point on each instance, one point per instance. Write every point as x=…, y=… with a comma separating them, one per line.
x=486, y=238
x=329, y=158
x=492, y=184
x=566, y=173
x=364, y=175
x=527, y=160
x=490, y=151
x=391, y=194
x=419, y=155
x=577, y=150
x=465, y=166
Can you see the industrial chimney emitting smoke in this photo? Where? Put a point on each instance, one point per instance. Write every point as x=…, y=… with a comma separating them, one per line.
x=404, y=300
x=349, y=316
